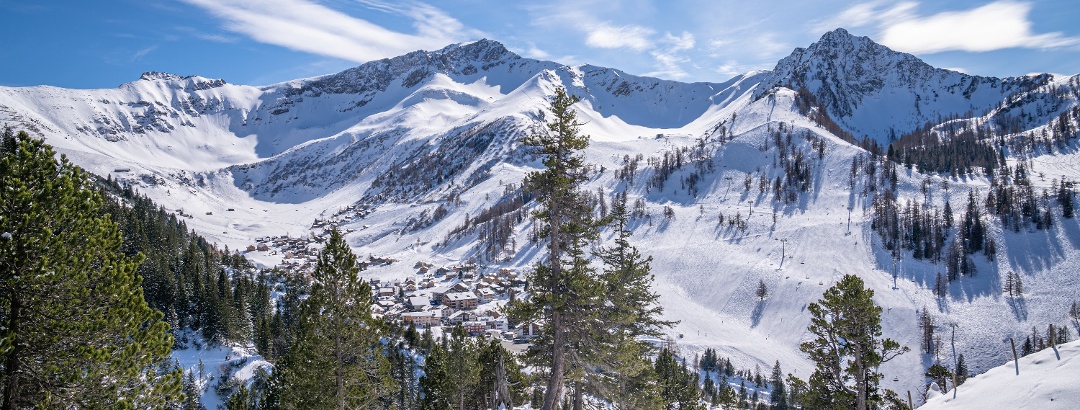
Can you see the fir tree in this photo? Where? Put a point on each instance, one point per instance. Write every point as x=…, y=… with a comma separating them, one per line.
x=677, y=385
x=76, y=330
x=630, y=313
x=778, y=396
x=847, y=348
x=336, y=360
x=940, y=375
x=762, y=290
x=961, y=370
x=452, y=374
x=565, y=291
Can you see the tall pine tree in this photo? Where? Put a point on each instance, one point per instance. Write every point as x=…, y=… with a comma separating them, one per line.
x=336, y=361
x=75, y=329
x=847, y=348
x=564, y=289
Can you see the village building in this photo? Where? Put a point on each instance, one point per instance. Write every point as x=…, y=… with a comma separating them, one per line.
x=423, y=319
x=460, y=300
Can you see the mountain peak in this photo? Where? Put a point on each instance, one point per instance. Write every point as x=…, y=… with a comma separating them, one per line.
x=483, y=50
x=159, y=76
x=856, y=80
x=839, y=34
x=190, y=82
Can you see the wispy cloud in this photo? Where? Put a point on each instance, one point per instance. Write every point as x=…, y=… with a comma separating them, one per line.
x=217, y=38
x=864, y=14
x=605, y=35
x=670, y=58
x=684, y=41
x=311, y=27
x=138, y=55
x=993, y=26
x=998, y=25
x=534, y=52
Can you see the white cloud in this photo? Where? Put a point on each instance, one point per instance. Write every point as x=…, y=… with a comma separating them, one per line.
x=670, y=65
x=534, y=52
x=864, y=14
x=606, y=35
x=998, y=25
x=310, y=27
x=685, y=41
x=993, y=26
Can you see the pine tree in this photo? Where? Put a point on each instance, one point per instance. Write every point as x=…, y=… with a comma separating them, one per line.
x=452, y=374
x=336, y=360
x=501, y=379
x=75, y=328
x=676, y=384
x=762, y=290
x=847, y=348
x=564, y=288
x=630, y=313
x=961, y=370
x=778, y=396
x=940, y=374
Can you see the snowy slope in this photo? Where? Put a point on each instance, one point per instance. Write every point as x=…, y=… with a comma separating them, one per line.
x=1047, y=380
x=406, y=137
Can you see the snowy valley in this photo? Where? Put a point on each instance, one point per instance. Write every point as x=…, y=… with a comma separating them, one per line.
x=782, y=177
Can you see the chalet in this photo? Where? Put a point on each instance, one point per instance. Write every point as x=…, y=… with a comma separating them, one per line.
x=460, y=300
x=459, y=287
x=418, y=303
x=460, y=316
x=474, y=327
x=484, y=295
x=423, y=319
x=528, y=330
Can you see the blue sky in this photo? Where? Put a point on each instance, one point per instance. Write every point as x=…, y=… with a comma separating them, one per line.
x=101, y=44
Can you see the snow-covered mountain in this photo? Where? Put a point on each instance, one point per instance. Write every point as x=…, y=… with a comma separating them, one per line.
x=879, y=93
x=407, y=152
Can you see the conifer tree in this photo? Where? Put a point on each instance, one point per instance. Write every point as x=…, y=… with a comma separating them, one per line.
x=847, y=348
x=75, y=329
x=677, y=385
x=629, y=313
x=564, y=288
x=336, y=360
x=778, y=396
x=940, y=374
x=961, y=370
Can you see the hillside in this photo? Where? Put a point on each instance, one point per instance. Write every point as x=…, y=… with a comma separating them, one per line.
x=407, y=152
x=1046, y=381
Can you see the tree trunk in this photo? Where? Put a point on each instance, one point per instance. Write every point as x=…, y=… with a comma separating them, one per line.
x=502, y=387
x=578, y=396
x=554, y=391
x=11, y=367
x=339, y=372
x=860, y=379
